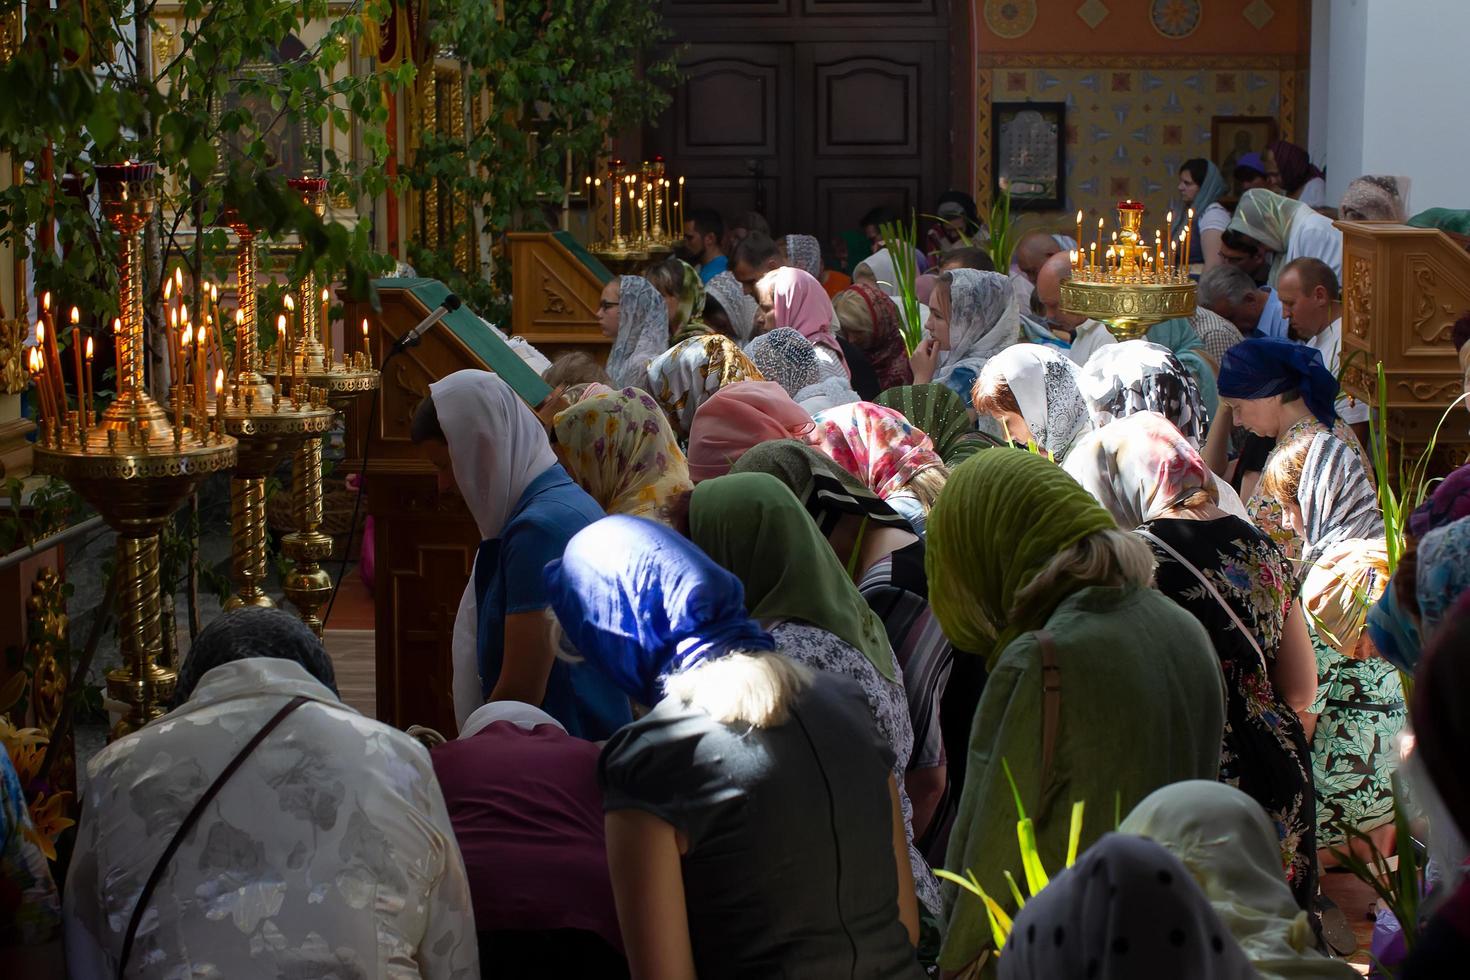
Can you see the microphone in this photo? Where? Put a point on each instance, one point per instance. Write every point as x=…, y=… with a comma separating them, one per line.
x=412, y=338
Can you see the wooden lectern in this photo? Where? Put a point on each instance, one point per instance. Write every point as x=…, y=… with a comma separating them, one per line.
x=425, y=542
x=555, y=288
x=1403, y=290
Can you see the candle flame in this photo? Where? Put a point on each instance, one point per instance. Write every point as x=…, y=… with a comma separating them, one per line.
x=89, y=348
x=219, y=382
x=40, y=331
x=76, y=316
x=183, y=313
x=46, y=301
x=681, y=181
x=290, y=304
x=1079, y=216
x=117, y=325
x=325, y=295
x=1099, y=226
x=213, y=293
x=1169, y=218
x=186, y=338
x=281, y=324
x=239, y=318
x=179, y=277
x=168, y=290
x=364, y=328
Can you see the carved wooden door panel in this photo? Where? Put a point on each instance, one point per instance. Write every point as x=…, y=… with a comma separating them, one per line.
x=811, y=111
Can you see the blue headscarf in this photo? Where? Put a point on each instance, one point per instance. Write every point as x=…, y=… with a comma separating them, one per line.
x=1262, y=367
x=1212, y=187
x=1394, y=632
x=642, y=603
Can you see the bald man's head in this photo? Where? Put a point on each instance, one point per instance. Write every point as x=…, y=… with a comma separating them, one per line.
x=1055, y=271
x=1033, y=250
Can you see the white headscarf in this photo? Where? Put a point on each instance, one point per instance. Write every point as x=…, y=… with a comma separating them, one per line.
x=984, y=319
x=1044, y=382
x=739, y=306
x=519, y=713
x=497, y=447
x=643, y=332
x=805, y=253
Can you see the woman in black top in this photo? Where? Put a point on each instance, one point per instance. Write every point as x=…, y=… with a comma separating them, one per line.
x=753, y=829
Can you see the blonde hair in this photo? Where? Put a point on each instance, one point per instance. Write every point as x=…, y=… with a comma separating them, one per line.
x=748, y=688
x=926, y=484
x=1109, y=558
x=1282, y=477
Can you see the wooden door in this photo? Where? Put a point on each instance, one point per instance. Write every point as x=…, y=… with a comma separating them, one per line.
x=811, y=111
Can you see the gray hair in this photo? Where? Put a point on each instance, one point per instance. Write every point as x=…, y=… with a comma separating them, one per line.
x=1224, y=282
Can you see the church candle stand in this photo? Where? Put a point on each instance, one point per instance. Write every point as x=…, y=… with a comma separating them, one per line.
x=1127, y=283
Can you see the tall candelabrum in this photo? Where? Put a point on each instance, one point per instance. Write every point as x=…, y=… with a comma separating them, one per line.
x=639, y=209
x=268, y=420
x=1126, y=282
x=307, y=584
x=133, y=464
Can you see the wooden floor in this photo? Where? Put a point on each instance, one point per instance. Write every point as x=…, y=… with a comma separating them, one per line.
x=349, y=639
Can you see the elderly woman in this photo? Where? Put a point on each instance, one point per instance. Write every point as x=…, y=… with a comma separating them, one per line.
x=789, y=359
x=490, y=448
x=1232, y=852
x=325, y=847
x=1100, y=688
x=1281, y=390
x=1230, y=577
x=752, y=525
x=737, y=418
x=788, y=297
x=1032, y=393
x=635, y=317
x=618, y=446
x=1288, y=229
x=891, y=457
x=728, y=309
x=973, y=316
x=685, y=375
x=722, y=800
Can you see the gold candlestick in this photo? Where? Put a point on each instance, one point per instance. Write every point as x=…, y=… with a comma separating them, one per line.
x=1129, y=291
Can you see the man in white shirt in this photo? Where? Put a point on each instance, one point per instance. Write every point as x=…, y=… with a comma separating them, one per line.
x=1311, y=301
x=1086, y=335
x=1032, y=252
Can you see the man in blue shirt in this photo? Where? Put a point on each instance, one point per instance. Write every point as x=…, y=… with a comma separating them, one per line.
x=1234, y=295
x=703, y=231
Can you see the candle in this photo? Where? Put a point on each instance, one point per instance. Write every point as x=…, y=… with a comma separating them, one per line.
x=201, y=356
x=1187, y=224
x=1092, y=259
x=1079, y=227
x=281, y=347
x=617, y=212
x=290, y=321
x=1072, y=255
x=170, y=346
x=117, y=357
x=53, y=356
x=90, y=389
x=1173, y=257
x=76, y=359
x=681, y=204
x=185, y=336
x=367, y=348
x=33, y=366
x=326, y=317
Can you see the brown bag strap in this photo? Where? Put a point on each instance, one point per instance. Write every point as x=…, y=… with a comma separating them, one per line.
x=190, y=821
x=1051, y=702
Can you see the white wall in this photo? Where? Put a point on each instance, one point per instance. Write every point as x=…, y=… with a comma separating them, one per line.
x=1396, y=71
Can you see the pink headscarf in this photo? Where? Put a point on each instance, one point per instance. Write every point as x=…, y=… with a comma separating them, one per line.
x=875, y=444
x=736, y=419
x=802, y=304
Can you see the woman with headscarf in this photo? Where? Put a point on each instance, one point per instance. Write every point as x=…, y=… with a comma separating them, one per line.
x=1179, y=337
x=737, y=418
x=1230, y=577
x=721, y=801
x=635, y=317
x=958, y=225
x=1294, y=174
x=1137, y=376
x=683, y=377
x=804, y=252
x=1256, y=379
x=936, y=410
x=725, y=295
x=1323, y=492
x=1373, y=198
x=878, y=269
x=788, y=297
x=753, y=526
x=1231, y=851
x=679, y=284
x=489, y=446
x=886, y=562
x=973, y=318
x=1032, y=392
x=325, y=851
x=618, y=446
x=1289, y=229
x=1100, y=688
x=891, y=457
x=785, y=357
x=1359, y=709
x=1200, y=188
x=1442, y=732
x=1128, y=909
x=871, y=321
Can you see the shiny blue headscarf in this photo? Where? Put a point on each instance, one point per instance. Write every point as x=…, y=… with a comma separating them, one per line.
x=1262, y=367
x=642, y=603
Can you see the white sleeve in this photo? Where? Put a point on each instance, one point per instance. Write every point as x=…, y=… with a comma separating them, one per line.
x=1215, y=218
x=449, y=950
x=1315, y=235
x=465, y=655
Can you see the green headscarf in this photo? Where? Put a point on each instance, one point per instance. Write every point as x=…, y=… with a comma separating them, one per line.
x=939, y=413
x=826, y=490
x=1267, y=216
x=1002, y=517
x=753, y=526
x=687, y=322
x=1445, y=219
x=858, y=248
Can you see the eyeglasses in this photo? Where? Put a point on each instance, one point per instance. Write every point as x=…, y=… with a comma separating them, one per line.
x=603, y=304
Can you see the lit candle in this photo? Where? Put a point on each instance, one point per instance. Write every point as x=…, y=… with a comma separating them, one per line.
x=326, y=321
x=281, y=348
x=1189, y=222
x=89, y=392
x=33, y=367
x=1079, y=228
x=681, y=204
x=617, y=211
x=1092, y=257
x=201, y=357
x=290, y=305
x=1173, y=257
x=1072, y=255
x=367, y=348
x=1099, y=232
x=185, y=336
x=53, y=357
x=117, y=356
x=76, y=360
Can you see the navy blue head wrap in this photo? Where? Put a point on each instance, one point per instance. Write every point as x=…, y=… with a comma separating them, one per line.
x=253, y=632
x=642, y=603
x=1262, y=367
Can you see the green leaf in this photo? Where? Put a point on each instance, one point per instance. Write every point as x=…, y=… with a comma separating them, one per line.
x=202, y=158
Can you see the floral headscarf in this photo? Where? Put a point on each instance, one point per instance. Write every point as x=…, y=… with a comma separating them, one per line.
x=1341, y=586
x=875, y=444
x=739, y=308
x=871, y=321
x=687, y=320
x=1138, y=468
x=1137, y=376
x=620, y=448
x=1044, y=383
x=983, y=320
x=1443, y=574
x=737, y=418
x=785, y=357
x=682, y=377
x=643, y=331
x=805, y=253
x=942, y=415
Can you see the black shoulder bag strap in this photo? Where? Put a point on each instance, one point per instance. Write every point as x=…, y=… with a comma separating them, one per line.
x=1051, y=702
x=190, y=821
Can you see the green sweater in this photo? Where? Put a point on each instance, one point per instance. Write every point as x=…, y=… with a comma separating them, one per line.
x=1142, y=706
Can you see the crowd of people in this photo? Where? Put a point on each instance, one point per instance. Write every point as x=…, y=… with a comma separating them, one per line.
x=773, y=617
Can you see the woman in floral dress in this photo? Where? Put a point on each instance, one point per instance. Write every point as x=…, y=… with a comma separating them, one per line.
x=1239, y=586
